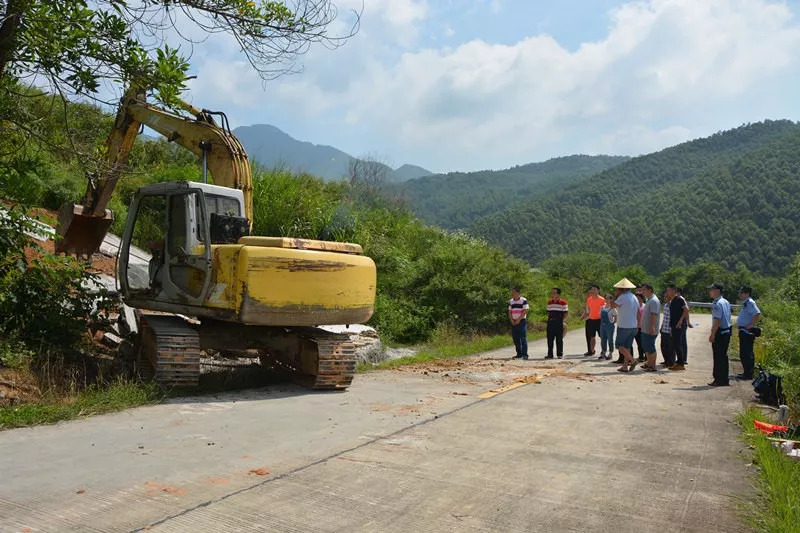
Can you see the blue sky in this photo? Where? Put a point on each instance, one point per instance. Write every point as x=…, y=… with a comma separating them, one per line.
x=472, y=84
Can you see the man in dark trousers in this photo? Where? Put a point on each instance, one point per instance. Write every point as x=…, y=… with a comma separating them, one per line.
x=518, y=315
x=678, y=318
x=667, y=352
x=591, y=314
x=685, y=344
x=720, y=337
x=556, y=317
x=746, y=321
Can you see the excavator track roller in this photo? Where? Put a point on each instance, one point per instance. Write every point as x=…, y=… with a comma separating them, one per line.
x=172, y=348
x=327, y=360
x=316, y=358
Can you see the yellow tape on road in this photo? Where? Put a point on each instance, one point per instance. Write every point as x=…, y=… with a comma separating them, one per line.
x=521, y=382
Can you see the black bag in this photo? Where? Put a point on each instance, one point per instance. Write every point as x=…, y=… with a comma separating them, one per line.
x=769, y=388
x=755, y=331
x=227, y=229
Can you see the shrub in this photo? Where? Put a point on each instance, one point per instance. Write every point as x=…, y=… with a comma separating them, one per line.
x=14, y=354
x=777, y=349
x=46, y=302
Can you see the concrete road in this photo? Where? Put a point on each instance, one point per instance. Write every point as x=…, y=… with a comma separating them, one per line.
x=481, y=444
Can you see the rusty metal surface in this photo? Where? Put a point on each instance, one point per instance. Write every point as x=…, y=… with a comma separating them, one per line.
x=314, y=357
x=293, y=264
x=82, y=234
x=255, y=312
x=141, y=301
x=317, y=358
x=302, y=244
x=173, y=349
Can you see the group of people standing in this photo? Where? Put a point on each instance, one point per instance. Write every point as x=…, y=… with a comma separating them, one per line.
x=634, y=314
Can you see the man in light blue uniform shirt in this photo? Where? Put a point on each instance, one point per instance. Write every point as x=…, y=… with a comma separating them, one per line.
x=746, y=321
x=720, y=337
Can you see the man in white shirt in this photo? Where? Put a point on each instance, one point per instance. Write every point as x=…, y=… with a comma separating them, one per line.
x=627, y=306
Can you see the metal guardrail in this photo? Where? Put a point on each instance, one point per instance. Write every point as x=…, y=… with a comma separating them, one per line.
x=707, y=305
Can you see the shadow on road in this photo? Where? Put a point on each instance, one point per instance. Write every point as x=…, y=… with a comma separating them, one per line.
x=241, y=384
x=696, y=388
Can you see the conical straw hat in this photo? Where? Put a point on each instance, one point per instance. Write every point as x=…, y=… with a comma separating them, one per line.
x=624, y=283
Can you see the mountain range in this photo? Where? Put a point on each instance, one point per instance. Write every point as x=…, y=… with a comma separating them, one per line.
x=731, y=199
x=457, y=199
x=271, y=147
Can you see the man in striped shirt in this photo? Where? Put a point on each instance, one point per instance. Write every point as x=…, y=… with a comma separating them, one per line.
x=556, y=317
x=518, y=314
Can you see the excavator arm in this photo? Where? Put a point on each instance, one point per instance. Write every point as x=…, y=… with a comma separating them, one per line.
x=84, y=226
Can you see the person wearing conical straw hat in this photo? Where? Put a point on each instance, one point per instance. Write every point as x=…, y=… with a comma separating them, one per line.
x=627, y=307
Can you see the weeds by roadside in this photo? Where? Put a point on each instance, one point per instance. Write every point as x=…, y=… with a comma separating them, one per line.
x=777, y=507
x=460, y=349
x=118, y=395
x=448, y=342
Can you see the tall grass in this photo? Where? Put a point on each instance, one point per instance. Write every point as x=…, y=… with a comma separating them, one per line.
x=777, y=508
x=289, y=205
x=777, y=349
x=119, y=394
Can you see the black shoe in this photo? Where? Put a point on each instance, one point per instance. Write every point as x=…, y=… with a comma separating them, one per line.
x=715, y=384
x=548, y=356
x=517, y=357
x=524, y=357
x=560, y=356
x=742, y=377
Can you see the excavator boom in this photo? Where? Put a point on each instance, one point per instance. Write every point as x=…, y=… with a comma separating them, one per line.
x=84, y=226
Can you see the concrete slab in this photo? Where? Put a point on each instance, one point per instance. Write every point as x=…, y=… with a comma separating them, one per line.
x=584, y=449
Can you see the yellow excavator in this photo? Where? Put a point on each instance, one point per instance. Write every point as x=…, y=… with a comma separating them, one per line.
x=244, y=293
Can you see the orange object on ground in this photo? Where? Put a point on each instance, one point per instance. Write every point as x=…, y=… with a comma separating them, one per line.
x=768, y=429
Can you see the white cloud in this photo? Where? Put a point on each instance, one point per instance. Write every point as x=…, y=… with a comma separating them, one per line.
x=659, y=61
x=225, y=83
x=665, y=72
x=400, y=12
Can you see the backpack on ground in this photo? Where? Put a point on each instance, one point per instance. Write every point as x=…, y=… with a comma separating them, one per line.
x=769, y=388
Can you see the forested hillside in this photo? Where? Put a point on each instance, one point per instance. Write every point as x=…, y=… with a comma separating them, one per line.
x=730, y=198
x=455, y=200
x=426, y=277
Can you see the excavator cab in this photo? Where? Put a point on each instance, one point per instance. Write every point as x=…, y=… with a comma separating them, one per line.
x=83, y=226
x=172, y=222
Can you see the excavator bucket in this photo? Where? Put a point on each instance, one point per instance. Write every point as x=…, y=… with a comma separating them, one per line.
x=81, y=234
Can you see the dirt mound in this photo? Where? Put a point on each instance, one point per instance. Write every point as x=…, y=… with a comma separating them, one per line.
x=17, y=387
